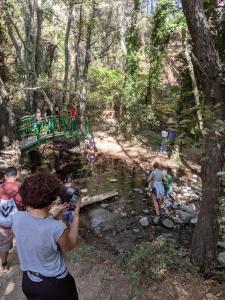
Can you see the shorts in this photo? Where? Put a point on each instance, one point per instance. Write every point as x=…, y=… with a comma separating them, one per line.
x=6, y=240
x=154, y=192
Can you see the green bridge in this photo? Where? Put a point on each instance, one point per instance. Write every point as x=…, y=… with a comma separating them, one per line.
x=31, y=131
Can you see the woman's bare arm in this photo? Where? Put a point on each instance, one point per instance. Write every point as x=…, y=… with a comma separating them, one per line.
x=70, y=237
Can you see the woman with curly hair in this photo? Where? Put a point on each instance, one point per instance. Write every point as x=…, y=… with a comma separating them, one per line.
x=41, y=239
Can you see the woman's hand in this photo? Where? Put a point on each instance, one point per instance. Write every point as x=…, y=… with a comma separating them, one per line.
x=59, y=210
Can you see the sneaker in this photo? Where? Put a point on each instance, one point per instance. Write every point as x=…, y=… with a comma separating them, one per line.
x=156, y=219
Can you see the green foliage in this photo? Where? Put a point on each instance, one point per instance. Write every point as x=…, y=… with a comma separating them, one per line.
x=167, y=21
x=105, y=86
x=152, y=261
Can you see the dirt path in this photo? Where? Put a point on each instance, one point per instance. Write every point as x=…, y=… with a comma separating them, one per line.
x=93, y=270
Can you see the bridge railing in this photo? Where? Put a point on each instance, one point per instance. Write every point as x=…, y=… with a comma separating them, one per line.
x=31, y=131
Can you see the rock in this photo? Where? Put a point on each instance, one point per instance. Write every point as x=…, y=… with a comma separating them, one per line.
x=84, y=191
x=167, y=223
x=104, y=205
x=123, y=215
x=177, y=220
x=194, y=197
x=144, y=221
x=221, y=258
x=191, y=209
x=194, y=221
x=210, y=296
x=113, y=180
x=136, y=230
x=129, y=201
x=184, y=216
x=146, y=211
x=138, y=191
x=133, y=213
x=221, y=244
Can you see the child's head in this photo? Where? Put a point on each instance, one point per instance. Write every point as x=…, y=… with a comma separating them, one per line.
x=10, y=174
x=156, y=165
x=169, y=170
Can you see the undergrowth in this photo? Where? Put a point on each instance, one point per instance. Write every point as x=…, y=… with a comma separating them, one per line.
x=153, y=261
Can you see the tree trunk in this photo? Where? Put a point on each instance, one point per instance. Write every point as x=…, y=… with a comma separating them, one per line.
x=204, y=243
x=77, y=50
x=194, y=84
x=9, y=148
x=66, y=50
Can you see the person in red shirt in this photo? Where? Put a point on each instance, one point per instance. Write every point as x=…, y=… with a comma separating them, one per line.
x=73, y=114
x=10, y=203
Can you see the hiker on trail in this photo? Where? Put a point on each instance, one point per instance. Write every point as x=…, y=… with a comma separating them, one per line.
x=10, y=202
x=164, y=135
x=70, y=195
x=172, y=135
x=48, y=114
x=37, y=121
x=57, y=110
x=41, y=239
x=156, y=188
x=73, y=114
x=168, y=183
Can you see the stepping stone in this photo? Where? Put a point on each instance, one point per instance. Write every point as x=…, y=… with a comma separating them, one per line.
x=167, y=223
x=144, y=221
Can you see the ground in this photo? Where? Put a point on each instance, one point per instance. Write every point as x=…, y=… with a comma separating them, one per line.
x=98, y=270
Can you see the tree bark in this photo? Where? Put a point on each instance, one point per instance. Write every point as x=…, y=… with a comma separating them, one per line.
x=204, y=243
x=9, y=147
x=66, y=49
x=194, y=84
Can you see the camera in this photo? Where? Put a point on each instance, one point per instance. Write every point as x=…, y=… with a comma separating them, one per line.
x=74, y=200
x=70, y=195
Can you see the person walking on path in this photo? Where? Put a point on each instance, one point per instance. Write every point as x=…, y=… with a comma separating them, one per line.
x=156, y=188
x=164, y=135
x=10, y=202
x=41, y=240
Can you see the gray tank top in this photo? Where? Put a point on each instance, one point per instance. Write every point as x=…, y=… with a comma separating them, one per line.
x=36, y=242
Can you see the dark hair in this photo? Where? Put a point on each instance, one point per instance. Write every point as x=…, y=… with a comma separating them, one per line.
x=156, y=165
x=11, y=172
x=40, y=190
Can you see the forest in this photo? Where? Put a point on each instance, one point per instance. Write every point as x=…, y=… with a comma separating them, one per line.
x=126, y=70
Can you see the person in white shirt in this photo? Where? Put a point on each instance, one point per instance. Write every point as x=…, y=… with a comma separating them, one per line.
x=164, y=134
x=156, y=188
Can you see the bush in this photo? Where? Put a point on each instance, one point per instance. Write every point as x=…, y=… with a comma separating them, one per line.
x=152, y=261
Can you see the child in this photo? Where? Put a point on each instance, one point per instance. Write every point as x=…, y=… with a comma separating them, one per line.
x=157, y=189
x=10, y=202
x=71, y=195
x=168, y=183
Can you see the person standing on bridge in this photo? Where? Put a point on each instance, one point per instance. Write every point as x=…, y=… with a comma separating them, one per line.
x=41, y=239
x=48, y=116
x=73, y=114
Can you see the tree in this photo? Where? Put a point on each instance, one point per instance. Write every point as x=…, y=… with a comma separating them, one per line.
x=9, y=148
x=209, y=65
